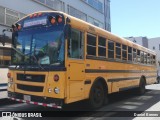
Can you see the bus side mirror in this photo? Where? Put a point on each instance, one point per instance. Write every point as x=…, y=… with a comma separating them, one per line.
x=3, y=38
x=67, y=31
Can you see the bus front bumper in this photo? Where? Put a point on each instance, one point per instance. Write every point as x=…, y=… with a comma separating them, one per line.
x=36, y=100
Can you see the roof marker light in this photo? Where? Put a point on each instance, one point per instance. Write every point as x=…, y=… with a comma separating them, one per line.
x=52, y=19
x=35, y=15
x=40, y=14
x=60, y=19
x=18, y=26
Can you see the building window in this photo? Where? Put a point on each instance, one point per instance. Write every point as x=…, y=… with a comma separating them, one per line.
x=2, y=15
x=76, y=13
x=91, y=45
x=159, y=46
x=8, y=16
x=95, y=22
x=97, y=4
x=54, y=4
x=154, y=48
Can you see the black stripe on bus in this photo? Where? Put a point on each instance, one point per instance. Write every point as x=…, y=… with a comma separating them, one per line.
x=3, y=84
x=116, y=60
x=1, y=90
x=87, y=82
x=116, y=71
x=122, y=79
x=131, y=78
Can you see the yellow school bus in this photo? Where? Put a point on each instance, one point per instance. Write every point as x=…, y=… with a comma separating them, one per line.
x=58, y=59
x=5, y=58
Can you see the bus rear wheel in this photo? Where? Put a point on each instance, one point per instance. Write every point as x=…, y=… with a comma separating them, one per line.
x=97, y=96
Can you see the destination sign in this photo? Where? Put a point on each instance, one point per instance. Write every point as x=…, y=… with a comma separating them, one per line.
x=35, y=21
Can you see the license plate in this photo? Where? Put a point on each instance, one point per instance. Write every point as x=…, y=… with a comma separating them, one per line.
x=27, y=97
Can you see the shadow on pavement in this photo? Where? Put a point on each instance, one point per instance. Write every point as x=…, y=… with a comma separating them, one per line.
x=6, y=101
x=120, y=104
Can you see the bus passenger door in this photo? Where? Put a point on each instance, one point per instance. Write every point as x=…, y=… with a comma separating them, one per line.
x=75, y=66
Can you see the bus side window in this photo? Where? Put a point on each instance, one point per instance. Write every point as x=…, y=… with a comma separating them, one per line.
x=134, y=55
x=142, y=57
x=110, y=49
x=91, y=45
x=129, y=53
x=124, y=52
x=101, y=46
x=145, y=58
x=154, y=59
x=118, y=51
x=148, y=59
x=76, y=44
x=138, y=56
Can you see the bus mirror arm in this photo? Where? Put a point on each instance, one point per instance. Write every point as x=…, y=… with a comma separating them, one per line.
x=67, y=31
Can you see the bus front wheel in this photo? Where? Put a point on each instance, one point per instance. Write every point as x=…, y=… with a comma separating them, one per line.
x=96, y=98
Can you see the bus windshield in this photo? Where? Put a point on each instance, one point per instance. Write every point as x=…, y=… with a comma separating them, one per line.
x=42, y=46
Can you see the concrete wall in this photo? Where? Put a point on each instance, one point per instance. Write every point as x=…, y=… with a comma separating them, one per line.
x=78, y=4
x=156, y=43
x=30, y=6
x=24, y=6
x=137, y=40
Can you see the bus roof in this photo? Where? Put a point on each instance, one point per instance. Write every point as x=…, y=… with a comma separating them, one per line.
x=97, y=30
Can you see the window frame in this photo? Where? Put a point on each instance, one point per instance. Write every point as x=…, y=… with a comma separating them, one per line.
x=102, y=46
x=110, y=50
x=81, y=45
x=90, y=34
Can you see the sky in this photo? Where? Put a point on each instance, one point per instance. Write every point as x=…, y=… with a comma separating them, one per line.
x=135, y=18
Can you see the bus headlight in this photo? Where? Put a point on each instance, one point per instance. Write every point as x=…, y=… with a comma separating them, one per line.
x=57, y=90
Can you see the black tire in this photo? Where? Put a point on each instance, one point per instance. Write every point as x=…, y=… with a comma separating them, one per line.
x=158, y=80
x=142, y=88
x=97, y=96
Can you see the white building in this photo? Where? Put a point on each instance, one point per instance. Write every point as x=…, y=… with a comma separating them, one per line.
x=152, y=43
x=96, y=12
x=139, y=40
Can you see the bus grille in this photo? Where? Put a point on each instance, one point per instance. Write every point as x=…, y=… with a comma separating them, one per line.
x=31, y=78
x=30, y=88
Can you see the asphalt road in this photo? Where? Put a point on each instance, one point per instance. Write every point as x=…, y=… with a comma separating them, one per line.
x=122, y=104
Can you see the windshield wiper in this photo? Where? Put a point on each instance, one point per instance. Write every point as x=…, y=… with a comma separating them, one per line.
x=36, y=60
x=27, y=55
